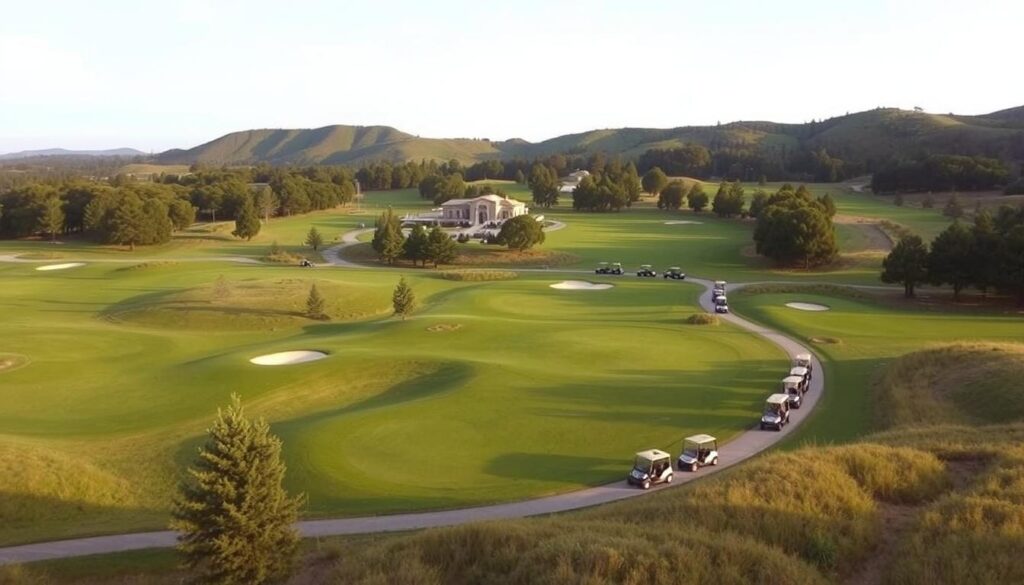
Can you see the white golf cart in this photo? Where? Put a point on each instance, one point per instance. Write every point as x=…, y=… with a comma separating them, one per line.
x=802, y=372
x=719, y=287
x=646, y=270
x=803, y=360
x=721, y=305
x=795, y=394
x=698, y=450
x=675, y=273
x=797, y=381
x=650, y=467
x=776, y=412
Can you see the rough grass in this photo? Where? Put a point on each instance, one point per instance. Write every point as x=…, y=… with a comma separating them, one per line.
x=475, y=254
x=478, y=275
x=811, y=289
x=283, y=257
x=702, y=319
x=960, y=383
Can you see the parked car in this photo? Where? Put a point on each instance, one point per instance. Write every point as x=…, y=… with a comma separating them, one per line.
x=698, y=450
x=650, y=467
x=675, y=273
x=776, y=412
x=646, y=270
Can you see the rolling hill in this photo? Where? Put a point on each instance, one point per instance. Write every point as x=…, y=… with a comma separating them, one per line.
x=872, y=135
x=61, y=152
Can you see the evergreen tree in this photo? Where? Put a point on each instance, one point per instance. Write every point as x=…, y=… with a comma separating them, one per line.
x=403, y=299
x=758, y=203
x=672, y=196
x=793, y=228
x=441, y=249
x=182, y=213
x=247, y=222
x=234, y=518
x=266, y=203
x=827, y=204
x=697, y=199
x=949, y=261
x=415, y=246
x=314, y=238
x=986, y=252
x=51, y=217
x=544, y=185
x=906, y=264
x=127, y=224
x=387, y=237
x=315, y=304
x=157, y=226
x=654, y=181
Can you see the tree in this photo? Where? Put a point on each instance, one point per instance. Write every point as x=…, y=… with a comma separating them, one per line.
x=234, y=517
x=520, y=177
x=266, y=203
x=315, y=304
x=949, y=261
x=441, y=249
x=127, y=224
x=697, y=199
x=247, y=223
x=387, y=237
x=729, y=199
x=51, y=217
x=906, y=264
x=521, y=233
x=654, y=181
x=403, y=299
x=415, y=246
x=827, y=204
x=1012, y=262
x=314, y=238
x=544, y=185
x=157, y=226
x=182, y=213
x=986, y=252
x=953, y=207
x=758, y=203
x=794, y=229
x=671, y=197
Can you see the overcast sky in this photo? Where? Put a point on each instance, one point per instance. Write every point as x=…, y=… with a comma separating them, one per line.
x=156, y=75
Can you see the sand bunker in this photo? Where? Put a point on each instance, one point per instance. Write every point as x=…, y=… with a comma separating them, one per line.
x=807, y=306
x=287, y=358
x=683, y=222
x=580, y=285
x=64, y=266
x=11, y=361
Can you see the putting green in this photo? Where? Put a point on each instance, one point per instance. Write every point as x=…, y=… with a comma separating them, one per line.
x=536, y=391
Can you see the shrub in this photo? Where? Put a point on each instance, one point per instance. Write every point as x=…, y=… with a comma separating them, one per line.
x=478, y=275
x=702, y=319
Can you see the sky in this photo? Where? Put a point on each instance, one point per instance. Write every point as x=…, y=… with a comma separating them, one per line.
x=165, y=74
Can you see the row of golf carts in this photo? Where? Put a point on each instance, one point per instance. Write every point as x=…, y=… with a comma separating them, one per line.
x=719, y=298
x=655, y=466
x=646, y=270
x=790, y=396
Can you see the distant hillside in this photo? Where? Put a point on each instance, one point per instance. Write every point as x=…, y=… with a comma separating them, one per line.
x=71, y=153
x=860, y=138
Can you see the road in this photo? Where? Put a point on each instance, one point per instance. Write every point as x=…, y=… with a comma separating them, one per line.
x=737, y=450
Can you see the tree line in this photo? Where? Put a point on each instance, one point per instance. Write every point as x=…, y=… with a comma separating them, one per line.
x=941, y=173
x=988, y=255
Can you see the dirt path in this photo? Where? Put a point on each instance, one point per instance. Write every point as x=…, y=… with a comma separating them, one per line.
x=740, y=448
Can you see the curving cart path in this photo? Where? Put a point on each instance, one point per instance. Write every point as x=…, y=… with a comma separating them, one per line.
x=738, y=449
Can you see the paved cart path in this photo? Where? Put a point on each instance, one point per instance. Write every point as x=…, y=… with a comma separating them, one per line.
x=740, y=448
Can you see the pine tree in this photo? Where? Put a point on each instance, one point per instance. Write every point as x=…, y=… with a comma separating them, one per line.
x=403, y=300
x=234, y=518
x=51, y=220
x=415, y=246
x=315, y=304
x=314, y=238
x=127, y=226
x=247, y=222
x=387, y=237
x=906, y=264
x=441, y=249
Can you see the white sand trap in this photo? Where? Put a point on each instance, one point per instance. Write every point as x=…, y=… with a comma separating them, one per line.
x=683, y=222
x=580, y=285
x=64, y=266
x=287, y=358
x=807, y=306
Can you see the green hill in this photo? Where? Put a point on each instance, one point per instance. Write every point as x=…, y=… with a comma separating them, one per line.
x=863, y=137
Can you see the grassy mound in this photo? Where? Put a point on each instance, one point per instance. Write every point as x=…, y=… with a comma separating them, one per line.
x=961, y=383
x=702, y=319
x=250, y=304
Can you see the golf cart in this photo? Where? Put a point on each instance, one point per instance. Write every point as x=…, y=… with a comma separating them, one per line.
x=798, y=382
x=306, y=263
x=675, y=273
x=802, y=372
x=606, y=268
x=804, y=360
x=721, y=305
x=719, y=287
x=698, y=450
x=650, y=467
x=646, y=270
x=776, y=412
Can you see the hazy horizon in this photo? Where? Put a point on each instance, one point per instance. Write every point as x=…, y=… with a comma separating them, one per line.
x=114, y=74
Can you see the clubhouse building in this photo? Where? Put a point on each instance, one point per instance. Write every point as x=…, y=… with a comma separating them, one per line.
x=481, y=210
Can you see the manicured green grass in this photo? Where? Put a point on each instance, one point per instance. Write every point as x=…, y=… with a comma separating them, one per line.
x=495, y=390
x=857, y=338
